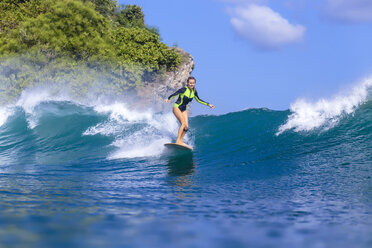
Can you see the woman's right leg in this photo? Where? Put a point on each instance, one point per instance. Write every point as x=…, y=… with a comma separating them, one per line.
x=177, y=112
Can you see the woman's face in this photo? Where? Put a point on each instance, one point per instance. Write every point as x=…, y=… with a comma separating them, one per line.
x=191, y=83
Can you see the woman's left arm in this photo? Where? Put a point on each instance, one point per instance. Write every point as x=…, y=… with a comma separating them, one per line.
x=201, y=101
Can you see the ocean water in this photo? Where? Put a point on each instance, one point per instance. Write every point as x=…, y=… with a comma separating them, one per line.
x=98, y=175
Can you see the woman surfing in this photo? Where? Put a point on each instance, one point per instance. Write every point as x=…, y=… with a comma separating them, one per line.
x=185, y=95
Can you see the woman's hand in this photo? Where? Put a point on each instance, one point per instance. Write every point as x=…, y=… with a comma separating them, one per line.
x=167, y=100
x=211, y=106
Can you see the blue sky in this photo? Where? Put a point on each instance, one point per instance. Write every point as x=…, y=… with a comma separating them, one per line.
x=262, y=53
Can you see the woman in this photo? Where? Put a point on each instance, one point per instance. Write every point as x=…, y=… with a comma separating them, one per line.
x=185, y=95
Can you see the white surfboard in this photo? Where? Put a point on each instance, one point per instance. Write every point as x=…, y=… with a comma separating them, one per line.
x=179, y=146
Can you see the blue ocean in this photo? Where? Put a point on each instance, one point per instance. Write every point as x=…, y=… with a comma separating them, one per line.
x=75, y=174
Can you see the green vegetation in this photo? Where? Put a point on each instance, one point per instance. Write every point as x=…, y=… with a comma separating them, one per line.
x=79, y=42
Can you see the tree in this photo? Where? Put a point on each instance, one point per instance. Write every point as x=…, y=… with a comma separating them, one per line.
x=12, y=12
x=131, y=16
x=106, y=8
x=68, y=28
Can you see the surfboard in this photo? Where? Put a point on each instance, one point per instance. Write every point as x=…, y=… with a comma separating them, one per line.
x=179, y=147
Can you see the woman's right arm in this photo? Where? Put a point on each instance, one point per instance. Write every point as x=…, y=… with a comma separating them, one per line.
x=180, y=91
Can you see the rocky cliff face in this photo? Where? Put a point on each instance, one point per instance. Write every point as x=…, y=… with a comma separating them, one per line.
x=154, y=93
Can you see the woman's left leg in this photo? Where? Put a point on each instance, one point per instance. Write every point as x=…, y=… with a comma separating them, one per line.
x=186, y=123
x=177, y=112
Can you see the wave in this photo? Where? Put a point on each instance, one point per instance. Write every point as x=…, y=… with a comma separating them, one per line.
x=325, y=113
x=45, y=128
x=55, y=124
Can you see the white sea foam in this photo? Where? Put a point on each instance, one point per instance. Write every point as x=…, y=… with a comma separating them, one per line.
x=27, y=101
x=121, y=112
x=31, y=98
x=5, y=112
x=139, y=147
x=325, y=113
x=136, y=133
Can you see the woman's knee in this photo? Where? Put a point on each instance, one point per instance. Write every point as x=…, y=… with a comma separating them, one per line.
x=185, y=126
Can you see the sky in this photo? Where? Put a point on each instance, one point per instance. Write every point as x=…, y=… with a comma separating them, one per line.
x=267, y=53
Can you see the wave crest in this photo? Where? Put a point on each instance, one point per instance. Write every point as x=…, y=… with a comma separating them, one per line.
x=325, y=113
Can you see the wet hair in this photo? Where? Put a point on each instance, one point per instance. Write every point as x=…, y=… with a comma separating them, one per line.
x=190, y=78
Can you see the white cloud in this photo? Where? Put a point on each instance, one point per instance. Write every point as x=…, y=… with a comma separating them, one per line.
x=263, y=27
x=350, y=10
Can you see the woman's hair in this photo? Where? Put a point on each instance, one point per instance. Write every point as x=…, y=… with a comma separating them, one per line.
x=190, y=78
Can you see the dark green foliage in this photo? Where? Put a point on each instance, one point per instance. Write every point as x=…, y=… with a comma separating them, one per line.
x=77, y=39
x=142, y=47
x=107, y=8
x=12, y=12
x=131, y=16
x=69, y=28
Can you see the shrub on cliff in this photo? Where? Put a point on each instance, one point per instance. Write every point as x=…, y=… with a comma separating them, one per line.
x=59, y=37
x=12, y=12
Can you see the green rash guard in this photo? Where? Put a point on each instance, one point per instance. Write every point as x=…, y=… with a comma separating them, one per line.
x=185, y=95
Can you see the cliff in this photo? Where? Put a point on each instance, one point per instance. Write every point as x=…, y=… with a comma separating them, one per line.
x=155, y=92
x=85, y=48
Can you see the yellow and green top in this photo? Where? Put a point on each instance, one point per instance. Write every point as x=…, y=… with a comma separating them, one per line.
x=185, y=95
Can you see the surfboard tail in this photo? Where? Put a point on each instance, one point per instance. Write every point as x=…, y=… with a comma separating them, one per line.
x=178, y=146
